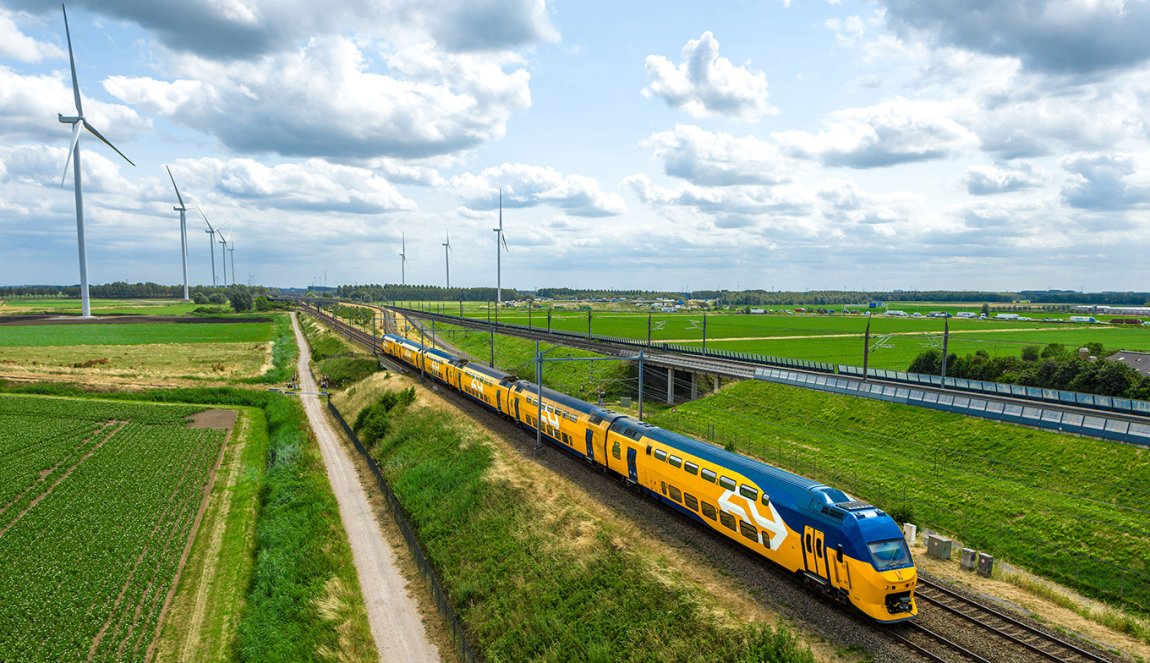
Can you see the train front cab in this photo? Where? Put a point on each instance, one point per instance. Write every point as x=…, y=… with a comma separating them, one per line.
x=856, y=553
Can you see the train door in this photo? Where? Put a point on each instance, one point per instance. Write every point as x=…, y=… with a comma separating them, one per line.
x=814, y=552
x=632, y=471
x=498, y=400
x=517, y=410
x=590, y=444
x=838, y=563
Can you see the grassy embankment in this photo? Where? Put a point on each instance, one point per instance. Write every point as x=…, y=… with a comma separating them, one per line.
x=62, y=306
x=534, y=569
x=1072, y=509
x=302, y=601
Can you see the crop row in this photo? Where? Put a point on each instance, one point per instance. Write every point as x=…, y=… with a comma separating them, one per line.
x=88, y=568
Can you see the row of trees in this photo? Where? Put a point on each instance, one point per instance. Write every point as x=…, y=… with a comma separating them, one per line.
x=124, y=290
x=424, y=293
x=1051, y=367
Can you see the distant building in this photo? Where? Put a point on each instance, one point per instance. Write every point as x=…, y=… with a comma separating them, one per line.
x=1139, y=361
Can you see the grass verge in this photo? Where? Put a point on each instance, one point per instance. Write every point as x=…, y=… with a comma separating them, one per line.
x=533, y=575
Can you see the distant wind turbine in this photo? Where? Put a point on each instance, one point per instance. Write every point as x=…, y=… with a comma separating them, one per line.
x=211, y=243
x=183, y=210
x=224, y=256
x=77, y=121
x=403, y=260
x=499, y=255
x=447, y=258
x=232, y=253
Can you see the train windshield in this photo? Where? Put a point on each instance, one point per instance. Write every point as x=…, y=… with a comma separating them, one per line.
x=889, y=554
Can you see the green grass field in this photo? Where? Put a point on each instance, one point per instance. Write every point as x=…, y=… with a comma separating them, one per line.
x=1072, y=509
x=836, y=339
x=84, y=571
x=133, y=334
x=99, y=306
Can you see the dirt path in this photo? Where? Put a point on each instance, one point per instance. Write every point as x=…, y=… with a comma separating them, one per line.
x=395, y=622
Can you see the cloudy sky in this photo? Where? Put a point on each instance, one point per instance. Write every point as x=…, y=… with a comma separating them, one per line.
x=912, y=144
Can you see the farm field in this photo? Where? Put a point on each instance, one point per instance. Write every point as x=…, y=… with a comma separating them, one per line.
x=152, y=353
x=836, y=339
x=98, y=503
x=1068, y=508
x=60, y=306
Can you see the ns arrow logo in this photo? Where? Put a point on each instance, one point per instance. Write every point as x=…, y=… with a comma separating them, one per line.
x=771, y=523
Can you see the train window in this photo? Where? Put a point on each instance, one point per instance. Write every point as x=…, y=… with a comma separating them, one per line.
x=766, y=499
x=675, y=493
x=691, y=467
x=708, y=475
x=663, y=487
x=748, y=530
x=709, y=510
x=727, y=483
x=660, y=454
x=727, y=519
x=595, y=420
x=691, y=501
x=749, y=492
x=648, y=450
x=615, y=451
x=766, y=539
x=675, y=461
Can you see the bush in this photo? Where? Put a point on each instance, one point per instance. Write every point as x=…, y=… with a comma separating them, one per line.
x=374, y=421
x=199, y=298
x=217, y=298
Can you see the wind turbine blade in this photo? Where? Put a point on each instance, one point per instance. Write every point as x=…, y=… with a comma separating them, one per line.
x=206, y=219
x=178, y=196
x=106, y=142
x=72, y=61
x=503, y=238
x=71, y=149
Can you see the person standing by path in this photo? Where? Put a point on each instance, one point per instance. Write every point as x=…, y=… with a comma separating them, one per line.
x=395, y=621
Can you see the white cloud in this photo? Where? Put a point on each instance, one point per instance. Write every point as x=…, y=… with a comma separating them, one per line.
x=719, y=159
x=16, y=45
x=986, y=180
x=1105, y=181
x=891, y=132
x=705, y=84
x=29, y=105
x=526, y=185
x=1062, y=36
x=443, y=104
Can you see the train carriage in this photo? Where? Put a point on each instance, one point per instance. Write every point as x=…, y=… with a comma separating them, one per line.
x=845, y=548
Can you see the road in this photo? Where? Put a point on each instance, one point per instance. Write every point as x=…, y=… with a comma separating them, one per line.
x=395, y=621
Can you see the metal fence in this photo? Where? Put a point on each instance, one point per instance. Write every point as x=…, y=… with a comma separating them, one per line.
x=1093, y=401
x=459, y=635
x=1028, y=415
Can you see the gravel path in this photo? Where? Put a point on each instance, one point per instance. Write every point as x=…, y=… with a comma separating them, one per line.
x=395, y=621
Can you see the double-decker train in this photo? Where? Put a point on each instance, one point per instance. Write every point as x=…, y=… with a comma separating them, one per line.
x=845, y=548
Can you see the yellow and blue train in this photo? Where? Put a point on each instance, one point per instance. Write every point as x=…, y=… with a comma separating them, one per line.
x=845, y=548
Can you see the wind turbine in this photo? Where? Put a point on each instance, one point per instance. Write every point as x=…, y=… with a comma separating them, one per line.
x=232, y=252
x=403, y=260
x=447, y=258
x=499, y=256
x=77, y=121
x=224, y=256
x=211, y=243
x=183, y=210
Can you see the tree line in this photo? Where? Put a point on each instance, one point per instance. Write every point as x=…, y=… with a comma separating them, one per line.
x=1052, y=367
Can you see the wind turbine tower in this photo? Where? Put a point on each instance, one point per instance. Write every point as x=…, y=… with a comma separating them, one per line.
x=403, y=259
x=224, y=256
x=183, y=210
x=232, y=253
x=211, y=232
x=447, y=258
x=500, y=240
x=77, y=121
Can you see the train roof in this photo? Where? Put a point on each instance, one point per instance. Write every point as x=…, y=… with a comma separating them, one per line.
x=761, y=473
x=559, y=397
x=441, y=354
x=488, y=371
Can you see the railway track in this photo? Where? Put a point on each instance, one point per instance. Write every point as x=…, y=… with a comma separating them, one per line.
x=1003, y=629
